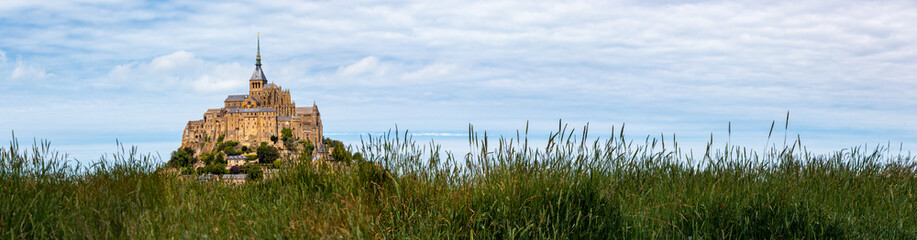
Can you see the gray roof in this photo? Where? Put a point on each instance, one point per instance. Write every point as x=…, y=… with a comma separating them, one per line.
x=250, y=110
x=235, y=98
x=284, y=118
x=236, y=157
x=304, y=110
x=234, y=176
x=258, y=75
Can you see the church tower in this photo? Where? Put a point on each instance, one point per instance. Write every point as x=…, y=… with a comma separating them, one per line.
x=258, y=81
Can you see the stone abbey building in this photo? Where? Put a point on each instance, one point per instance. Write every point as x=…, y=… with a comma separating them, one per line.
x=254, y=117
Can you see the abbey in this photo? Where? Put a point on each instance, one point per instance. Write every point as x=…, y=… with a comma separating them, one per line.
x=254, y=117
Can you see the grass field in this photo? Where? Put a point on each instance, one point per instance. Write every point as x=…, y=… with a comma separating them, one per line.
x=506, y=189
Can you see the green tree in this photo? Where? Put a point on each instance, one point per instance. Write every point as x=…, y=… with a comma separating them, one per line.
x=286, y=135
x=289, y=142
x=206, y=157
x=273, y=138
x=358, y=157
x=267, y=154
x=183, y=157
x=228, y=147
x=218, y=158
x=340, y=154
x=254, y=172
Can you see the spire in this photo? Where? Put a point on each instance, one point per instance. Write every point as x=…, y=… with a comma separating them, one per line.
x=258, y=75
x=258, y=58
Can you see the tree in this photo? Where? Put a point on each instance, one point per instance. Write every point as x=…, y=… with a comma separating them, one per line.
x=358, y=157
x=273, y=138
x=277, y=163
x=228, y=147
x=183, y=157
x=254, y=172
x=235, y=169
x=206, y=157
x=340, y=154
x=286, y=135
x=267, y=154
x=218, y=158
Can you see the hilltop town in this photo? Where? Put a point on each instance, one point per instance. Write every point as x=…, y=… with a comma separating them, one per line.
x=251, y=131
x=256, y=117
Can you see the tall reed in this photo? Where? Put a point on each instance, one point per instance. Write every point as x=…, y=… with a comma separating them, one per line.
x=575, y=186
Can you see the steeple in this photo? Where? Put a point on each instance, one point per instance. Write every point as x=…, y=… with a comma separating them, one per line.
x=258, y=79
x=258, y=58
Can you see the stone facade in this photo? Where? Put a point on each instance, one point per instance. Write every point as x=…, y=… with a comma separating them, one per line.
x=254, y=117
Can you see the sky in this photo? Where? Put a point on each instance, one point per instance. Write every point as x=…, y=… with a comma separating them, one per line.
x=85, y=73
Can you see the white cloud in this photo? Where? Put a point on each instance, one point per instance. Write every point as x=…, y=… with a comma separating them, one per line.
x=29, y=72
x=688, y=61
x=180, y=69
x=2, y=56
x=368, y=65
x=431, y=71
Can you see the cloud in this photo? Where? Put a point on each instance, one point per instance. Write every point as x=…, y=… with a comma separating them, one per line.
x=181, y=69
x=431, y=71
x=368, y=65
x=29, y=72
x=676, y=64
x=2, y=56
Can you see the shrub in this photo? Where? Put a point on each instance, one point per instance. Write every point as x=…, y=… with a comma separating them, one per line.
x=217, y=169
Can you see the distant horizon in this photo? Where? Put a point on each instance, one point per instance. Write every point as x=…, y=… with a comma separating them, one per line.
x=456, y=142
x=82, y=74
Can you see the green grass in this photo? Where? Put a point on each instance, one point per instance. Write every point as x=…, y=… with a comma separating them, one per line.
x=506, y=189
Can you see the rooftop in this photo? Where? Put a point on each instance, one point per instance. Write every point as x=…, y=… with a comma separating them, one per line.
x=258, y=75
x=250, y=110
x=235, y=98
x=304, y=110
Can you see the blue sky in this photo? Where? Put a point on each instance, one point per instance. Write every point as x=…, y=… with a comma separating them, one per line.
x=86, y=72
